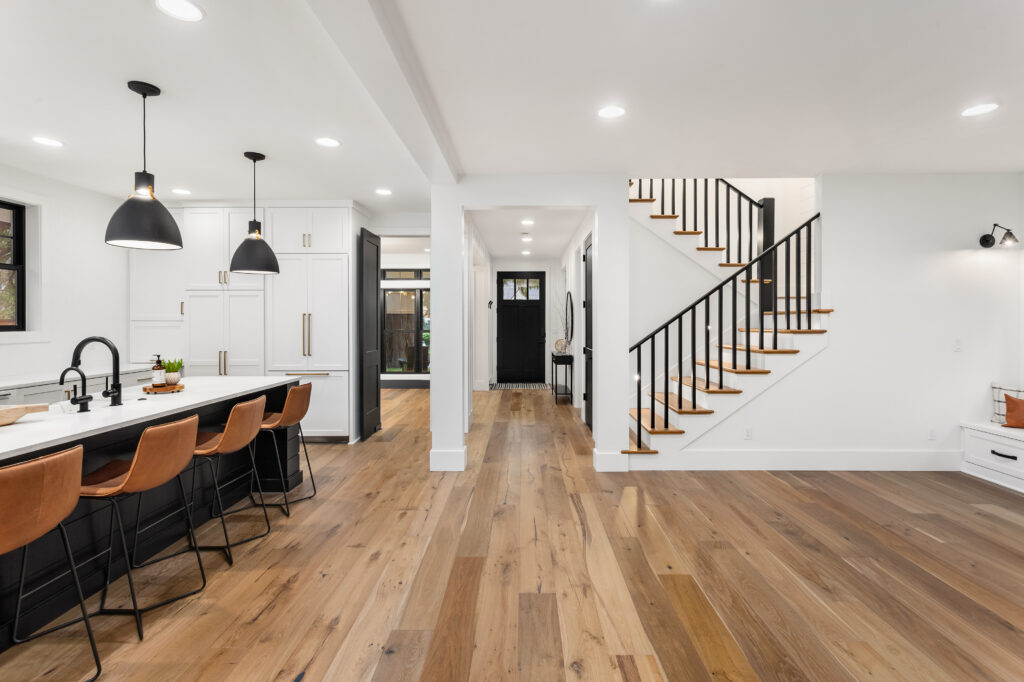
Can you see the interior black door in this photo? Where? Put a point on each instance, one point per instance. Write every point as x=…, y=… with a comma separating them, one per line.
x=369, y=333
x=521, y=327
x=588, y=332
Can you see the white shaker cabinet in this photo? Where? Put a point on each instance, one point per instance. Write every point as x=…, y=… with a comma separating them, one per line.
x=225, y=333
x=309, y=230
x=157, y=279
x=205, y=240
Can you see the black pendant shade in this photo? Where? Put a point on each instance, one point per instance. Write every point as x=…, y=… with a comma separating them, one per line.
x=142, y=222
x=254, y=255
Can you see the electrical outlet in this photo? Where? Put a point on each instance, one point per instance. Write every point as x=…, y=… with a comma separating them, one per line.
x=748, y=433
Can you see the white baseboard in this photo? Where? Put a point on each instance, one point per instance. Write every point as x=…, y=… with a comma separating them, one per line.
x=481, y=385
x=691, y=459
x=610, y=461
x=991, y=476
x=448, y=460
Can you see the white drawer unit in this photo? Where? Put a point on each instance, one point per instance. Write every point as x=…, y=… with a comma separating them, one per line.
x=328, y=415
x=995, y=455
x=9, y=397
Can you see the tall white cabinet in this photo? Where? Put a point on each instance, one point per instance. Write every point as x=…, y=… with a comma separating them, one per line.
x=187, y=304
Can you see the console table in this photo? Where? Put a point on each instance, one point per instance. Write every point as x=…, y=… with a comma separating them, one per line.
x=562, y=360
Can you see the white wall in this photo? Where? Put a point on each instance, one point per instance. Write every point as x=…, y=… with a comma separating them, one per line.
x=572, y=263
x=795, y=198
x=902, y=267
x=80, y=284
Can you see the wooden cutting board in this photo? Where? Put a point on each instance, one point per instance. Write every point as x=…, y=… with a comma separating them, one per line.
x=163, y=389
x=12, y=413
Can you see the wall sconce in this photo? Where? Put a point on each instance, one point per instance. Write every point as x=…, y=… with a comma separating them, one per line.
x=989, y=240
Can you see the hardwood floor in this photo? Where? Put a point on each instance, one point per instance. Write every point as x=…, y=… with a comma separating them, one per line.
x=531, y=566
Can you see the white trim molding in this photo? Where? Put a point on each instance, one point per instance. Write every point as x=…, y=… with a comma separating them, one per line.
x=610, y=461
x=818, y=459
x=448, y=460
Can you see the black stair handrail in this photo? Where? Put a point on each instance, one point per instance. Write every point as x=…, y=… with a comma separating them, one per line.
x=726, y=216
x=762, y=270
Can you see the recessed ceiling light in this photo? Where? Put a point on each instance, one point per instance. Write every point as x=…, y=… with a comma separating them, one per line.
x=182, y=10
x=979, y=109
x=180, y=190
x=327, y=142
x=527, y=221
x=526, y=237
x=47, y=141
x=526, y=253
x=611, y=111
x=383, y=191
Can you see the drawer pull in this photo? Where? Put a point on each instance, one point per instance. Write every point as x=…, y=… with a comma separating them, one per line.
x=307, y=374
x=999, y=454
x=5, y=395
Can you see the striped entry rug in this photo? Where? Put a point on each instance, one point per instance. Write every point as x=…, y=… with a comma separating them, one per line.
x=514, y=386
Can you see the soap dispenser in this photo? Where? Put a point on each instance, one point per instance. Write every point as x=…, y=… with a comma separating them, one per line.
x=159, y=373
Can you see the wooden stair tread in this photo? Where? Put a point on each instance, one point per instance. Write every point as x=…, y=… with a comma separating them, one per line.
x=823, y=311
x=681, y=405
x=732, y=265
x=814, y=311
x=664, y=216
x=688, y=232
x=704, y=388
x=727, y=367
x=711, y=248
x=642, y=201
x=757, y=281
x=787, y=331
x=763, y=351
x=660, y=427
x=635, y=449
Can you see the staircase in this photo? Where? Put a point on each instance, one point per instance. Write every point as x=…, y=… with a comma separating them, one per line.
x=759, y=323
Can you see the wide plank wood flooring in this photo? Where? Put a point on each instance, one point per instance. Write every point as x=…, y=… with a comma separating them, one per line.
x=531, y=566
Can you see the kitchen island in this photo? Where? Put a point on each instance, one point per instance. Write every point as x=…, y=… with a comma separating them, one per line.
x=107, y=433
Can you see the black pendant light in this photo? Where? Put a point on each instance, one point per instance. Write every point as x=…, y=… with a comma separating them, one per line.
x=254, y=255
x=142, y=222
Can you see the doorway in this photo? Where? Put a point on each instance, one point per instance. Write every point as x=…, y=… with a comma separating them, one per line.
x=521, y=327
x=588, y=332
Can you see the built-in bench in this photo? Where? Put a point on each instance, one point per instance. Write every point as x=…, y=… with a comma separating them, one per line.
x=994, y=453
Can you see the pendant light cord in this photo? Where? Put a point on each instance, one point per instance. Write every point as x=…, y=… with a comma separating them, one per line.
x=143, y=133
x=254, y=189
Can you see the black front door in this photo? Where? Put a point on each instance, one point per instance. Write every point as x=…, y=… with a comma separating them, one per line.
x=369, y=333
x=588, y=332
x=521, y=327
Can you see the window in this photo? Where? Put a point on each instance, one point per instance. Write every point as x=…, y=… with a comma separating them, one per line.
x=406, y=331
x=520, y=289
x=405, y=274
x=12, y=267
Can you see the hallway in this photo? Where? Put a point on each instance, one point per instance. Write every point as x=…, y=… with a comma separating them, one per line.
x=529, y=565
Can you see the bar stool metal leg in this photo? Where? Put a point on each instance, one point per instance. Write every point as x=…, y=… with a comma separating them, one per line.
x=285, y=503
x=223, y=513
x=73, y=570
x=128, y=570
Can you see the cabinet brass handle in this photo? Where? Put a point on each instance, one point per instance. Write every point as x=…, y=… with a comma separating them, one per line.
x=225, y=363
x=309, y=334
x=999, y=454
x=182, y=307
x=307, y=374
x=310, y=240
x=302, y=326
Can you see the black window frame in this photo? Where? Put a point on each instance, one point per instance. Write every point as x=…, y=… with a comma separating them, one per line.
x=419, y=366
x=417, y=274
x=18, y=266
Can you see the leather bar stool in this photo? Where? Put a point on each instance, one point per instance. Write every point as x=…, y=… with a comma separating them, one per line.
x=35, y=497
x=162, y=454
x=296, y=404
x=239, y=432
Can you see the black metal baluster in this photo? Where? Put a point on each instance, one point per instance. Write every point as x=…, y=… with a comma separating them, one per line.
x=662, y=212
x=734, y=325
x=728, y=225
x=739, y=229
x=750, y=226
x=721, y=335
x=695, y=203
x=810, y=262
x=683, y=212
x=760, y=319
x=799, y=276
x=673, y=196
x=639, y=385
x=707, y=342
x=705, y=212
x=775, y=299
x=679, y=362
x=665, y=378
x=654, y=348
x=693, y=358
x=748, y=317
x=787, y=284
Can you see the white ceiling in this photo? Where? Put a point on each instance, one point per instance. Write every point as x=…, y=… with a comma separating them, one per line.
x=724, y=87
x=409, y=245
x=501, y=231
x=254, y=75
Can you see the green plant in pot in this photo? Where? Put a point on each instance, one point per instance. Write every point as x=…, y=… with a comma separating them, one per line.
x=173, y=368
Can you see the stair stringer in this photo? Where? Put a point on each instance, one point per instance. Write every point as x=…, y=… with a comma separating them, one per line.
x=684, y=244
x=672, y=449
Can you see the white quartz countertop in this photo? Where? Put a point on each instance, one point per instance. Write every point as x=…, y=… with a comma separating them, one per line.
x=63, y=424
x=37, y=379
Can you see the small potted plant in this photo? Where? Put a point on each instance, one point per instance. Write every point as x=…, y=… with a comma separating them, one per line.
x=173, y=368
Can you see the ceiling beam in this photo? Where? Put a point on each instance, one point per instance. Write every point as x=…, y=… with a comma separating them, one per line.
x=373, y=38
